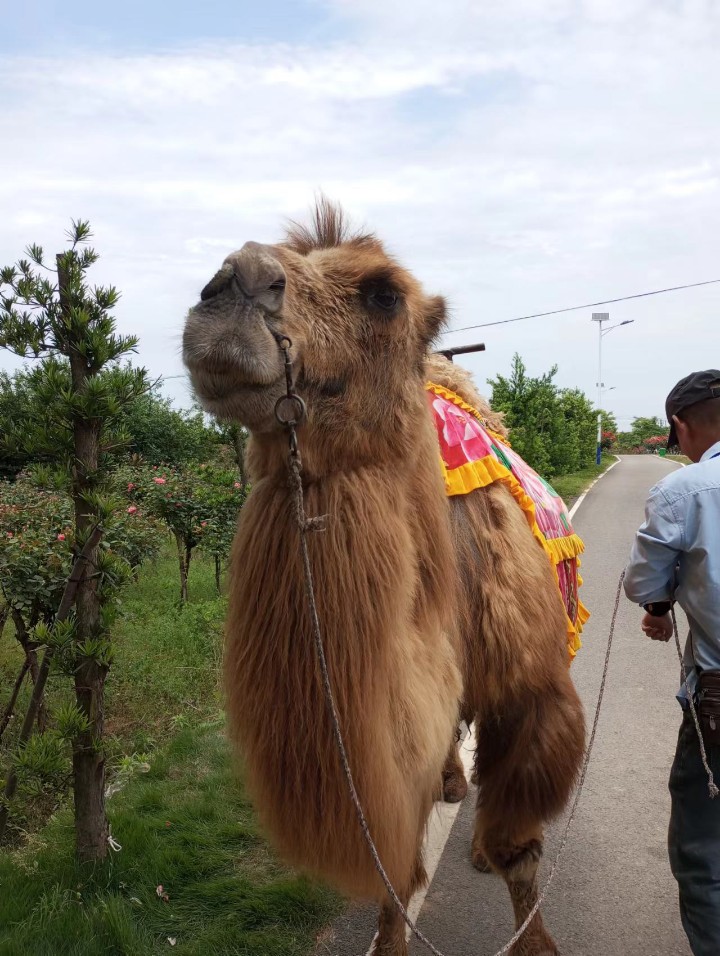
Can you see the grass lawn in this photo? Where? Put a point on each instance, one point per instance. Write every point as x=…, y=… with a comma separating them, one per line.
x=165, y=671
x=184, y=824
x=573, y=485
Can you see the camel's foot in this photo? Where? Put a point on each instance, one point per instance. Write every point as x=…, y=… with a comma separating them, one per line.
x=479, y=860
x=520, y=866
x=455, y=786
x=517, y=863
x=390, y=948
x=535, y=944
x=390, y=939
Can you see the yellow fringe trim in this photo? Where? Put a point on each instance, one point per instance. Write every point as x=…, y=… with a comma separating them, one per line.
x=479, y=474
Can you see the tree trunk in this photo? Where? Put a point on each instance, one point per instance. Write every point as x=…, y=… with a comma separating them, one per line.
x=188, y=559
x=23, y=638
x=184, y=569
x=10, y=709
x=91, y=824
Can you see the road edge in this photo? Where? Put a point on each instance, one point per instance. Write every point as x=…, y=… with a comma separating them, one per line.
x=592, y=484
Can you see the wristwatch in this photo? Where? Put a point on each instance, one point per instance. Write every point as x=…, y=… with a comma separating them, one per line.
x=658, y=608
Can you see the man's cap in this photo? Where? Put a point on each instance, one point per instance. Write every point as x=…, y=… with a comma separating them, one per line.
x=694, y=388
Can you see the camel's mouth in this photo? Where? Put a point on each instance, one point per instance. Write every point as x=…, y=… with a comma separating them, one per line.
x=231, y=394
x=227, y=366
x=236, y=368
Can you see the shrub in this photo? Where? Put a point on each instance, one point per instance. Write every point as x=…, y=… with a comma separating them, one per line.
x=51, y=313
x=199, y=505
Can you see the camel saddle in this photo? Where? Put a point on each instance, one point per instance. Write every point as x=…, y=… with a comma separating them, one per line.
x=474, y=456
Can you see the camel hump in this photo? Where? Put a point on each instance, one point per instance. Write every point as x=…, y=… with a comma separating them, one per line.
x=456, y=379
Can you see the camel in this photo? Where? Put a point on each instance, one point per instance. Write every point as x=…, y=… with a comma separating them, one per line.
x=432, y=608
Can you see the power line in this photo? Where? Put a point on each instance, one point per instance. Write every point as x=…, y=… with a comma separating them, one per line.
x=576, y=308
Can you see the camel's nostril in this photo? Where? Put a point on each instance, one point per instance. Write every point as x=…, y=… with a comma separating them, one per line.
x=219, y=281
x=258, y=275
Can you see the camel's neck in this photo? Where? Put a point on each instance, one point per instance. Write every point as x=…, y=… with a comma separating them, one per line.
x=387, y=532
x=336, y=446
x=384, y=559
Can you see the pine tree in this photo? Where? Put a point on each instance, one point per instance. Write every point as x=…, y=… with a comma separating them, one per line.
x=54, y=315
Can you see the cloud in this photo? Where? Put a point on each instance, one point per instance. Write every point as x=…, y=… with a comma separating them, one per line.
x=518, y=157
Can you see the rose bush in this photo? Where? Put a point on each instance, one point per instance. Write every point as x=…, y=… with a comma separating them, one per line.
x=37, y=545
x=198, y=504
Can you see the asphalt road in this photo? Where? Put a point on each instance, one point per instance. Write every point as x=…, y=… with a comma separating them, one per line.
x=613, y=894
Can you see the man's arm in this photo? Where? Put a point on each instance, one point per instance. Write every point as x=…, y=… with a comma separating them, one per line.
x=650, y=575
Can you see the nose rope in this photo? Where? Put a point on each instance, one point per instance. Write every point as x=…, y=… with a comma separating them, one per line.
x=712, y=786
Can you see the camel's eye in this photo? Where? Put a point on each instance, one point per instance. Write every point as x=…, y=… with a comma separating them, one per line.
x=385, y=299
x=381, y=297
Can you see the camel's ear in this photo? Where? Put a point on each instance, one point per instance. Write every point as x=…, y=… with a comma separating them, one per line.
x=435, y=319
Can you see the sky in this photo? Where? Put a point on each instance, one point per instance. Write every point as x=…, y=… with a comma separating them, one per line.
x=518, y=157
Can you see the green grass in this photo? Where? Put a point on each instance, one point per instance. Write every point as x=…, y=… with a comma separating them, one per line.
x=185, y=825
x=573, y=485
x=166, y=664
x=167, y=657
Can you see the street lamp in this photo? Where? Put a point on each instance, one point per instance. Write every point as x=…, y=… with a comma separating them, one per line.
x=600, y=318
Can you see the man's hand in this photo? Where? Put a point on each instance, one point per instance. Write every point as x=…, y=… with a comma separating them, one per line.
x=658, y=628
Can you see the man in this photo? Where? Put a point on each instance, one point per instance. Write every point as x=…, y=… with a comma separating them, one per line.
x=676, y=557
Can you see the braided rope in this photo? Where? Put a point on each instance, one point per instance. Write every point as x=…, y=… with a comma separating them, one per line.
x=712, y=786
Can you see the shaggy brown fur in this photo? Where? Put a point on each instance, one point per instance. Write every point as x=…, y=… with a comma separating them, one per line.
x=412, y=589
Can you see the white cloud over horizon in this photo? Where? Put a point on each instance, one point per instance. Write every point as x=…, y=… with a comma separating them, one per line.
x=517, y=158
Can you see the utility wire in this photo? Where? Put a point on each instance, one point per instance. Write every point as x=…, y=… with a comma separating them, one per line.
x=576, y=308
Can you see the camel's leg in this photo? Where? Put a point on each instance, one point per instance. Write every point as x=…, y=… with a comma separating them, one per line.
x=515, y=855
x=479, y=859
x=391, y=939
x=526, y=761
x=455, y=785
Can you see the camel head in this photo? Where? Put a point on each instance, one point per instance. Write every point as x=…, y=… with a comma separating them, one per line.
x=360, y=327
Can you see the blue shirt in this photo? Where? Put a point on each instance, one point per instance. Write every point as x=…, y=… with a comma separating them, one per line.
x=682, y=529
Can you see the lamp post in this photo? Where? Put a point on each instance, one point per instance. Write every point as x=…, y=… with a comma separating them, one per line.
x=600, y=318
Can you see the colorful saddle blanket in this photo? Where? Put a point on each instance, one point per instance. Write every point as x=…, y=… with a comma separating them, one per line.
x=473, y=456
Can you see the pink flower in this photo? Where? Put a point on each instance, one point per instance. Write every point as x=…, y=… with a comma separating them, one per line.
x=131, y=510
x=160, y=481
x=61, y=537
x=237, y=484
